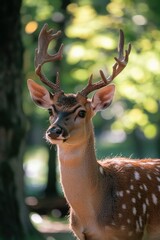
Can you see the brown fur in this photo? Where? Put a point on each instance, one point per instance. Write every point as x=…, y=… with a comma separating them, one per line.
x=115, y=199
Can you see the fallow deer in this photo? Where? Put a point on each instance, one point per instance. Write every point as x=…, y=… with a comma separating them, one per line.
x=113, y=199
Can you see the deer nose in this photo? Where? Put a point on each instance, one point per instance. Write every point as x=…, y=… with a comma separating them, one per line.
x=54, y=132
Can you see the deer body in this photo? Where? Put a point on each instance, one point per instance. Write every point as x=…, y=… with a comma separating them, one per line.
x=114, y=199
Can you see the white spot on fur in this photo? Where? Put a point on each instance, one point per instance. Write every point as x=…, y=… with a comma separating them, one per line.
x=128, y=191
x=131, y=187
x=144, y=208
x=128, y=220
x=158, y=179
x=137, y=175
x=121, y=193
x=145, y=187
x=140, y=222
x=149, y=176
x=101, y=170
x=133, y=200
x=120, y=215
x=134, y=210
x=154, y=199
x=139, y=195
x=147, y=201
x=124, y=206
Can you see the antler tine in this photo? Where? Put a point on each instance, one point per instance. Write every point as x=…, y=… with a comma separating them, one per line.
x=122, y=60
x=119, y=65
x=93, y=86
x=121, y=44
x=42, y=56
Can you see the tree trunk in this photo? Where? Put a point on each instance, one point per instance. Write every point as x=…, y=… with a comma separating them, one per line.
x=14, y=220
x=51, y=188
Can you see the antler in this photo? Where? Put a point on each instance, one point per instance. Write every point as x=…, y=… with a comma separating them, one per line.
x=42, y=56
x=119, y=65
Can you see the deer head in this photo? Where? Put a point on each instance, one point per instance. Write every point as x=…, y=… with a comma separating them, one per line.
x=71, y=113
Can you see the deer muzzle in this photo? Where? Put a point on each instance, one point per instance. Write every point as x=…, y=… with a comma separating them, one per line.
x=57, y=132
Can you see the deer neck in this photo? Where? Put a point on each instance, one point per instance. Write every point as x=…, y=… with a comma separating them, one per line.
x=78, y=154
x=79, y=173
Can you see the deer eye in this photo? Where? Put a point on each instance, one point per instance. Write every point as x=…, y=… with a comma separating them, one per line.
x=82, y=113
x=50, y=112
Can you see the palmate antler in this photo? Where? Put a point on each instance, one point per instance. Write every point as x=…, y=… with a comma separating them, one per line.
x=42, y=56
x=119, y=65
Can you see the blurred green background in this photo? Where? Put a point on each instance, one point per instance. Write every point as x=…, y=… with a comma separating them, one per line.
x=90, y=30
x=130, y=127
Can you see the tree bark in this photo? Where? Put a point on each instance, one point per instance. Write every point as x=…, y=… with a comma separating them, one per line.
x=14, y=219
x=51, y=187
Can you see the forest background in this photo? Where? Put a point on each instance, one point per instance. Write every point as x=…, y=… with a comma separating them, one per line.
x=129, y=128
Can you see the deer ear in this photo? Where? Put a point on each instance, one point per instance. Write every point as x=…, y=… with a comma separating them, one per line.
x=103, y=98
x=39, y=94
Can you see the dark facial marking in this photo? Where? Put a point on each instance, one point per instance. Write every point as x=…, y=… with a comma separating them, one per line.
x=67, y=101
x=65, y=113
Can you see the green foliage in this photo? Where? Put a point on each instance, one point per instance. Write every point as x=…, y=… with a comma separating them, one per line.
x=138, y=86
x=90, y=38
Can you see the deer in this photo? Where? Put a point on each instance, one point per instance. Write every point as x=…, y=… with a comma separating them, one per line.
x=110, y=199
